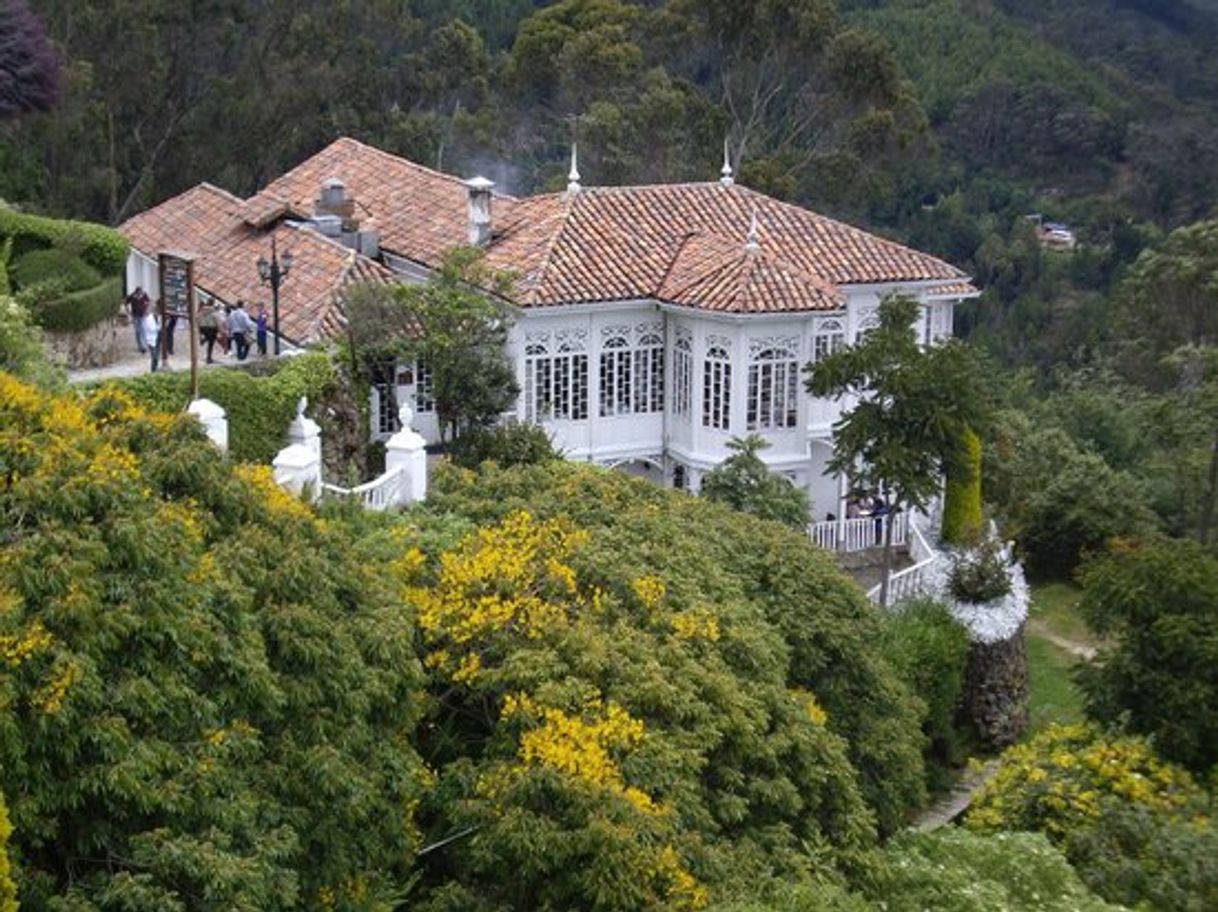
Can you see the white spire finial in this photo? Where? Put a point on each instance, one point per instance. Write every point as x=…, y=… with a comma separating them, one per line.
x=573, y=174
x=726, y=171
x=753, y=244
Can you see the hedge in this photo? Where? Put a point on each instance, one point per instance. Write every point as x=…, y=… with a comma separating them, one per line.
x=102, y=248
x=78, y=310
x=259, y=408
x=52, y=263
x=962, y=517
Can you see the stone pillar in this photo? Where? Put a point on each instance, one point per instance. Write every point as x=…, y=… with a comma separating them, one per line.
x=214, y=420
x=298, y=469
x=996, y=689
x=407, y=450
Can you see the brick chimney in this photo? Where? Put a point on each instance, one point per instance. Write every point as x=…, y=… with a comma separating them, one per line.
x=335, y=201
x=479, y=210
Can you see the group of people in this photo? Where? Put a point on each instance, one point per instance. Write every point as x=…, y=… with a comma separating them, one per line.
x=867, y=505
x=232, y=327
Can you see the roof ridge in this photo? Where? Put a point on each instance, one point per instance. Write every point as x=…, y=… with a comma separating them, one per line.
x=351, y=140
x=547, y=256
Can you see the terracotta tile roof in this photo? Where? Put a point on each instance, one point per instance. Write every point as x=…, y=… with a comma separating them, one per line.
x=679, y=242
x=713, y=274
x=953, y=291
x=212, y=223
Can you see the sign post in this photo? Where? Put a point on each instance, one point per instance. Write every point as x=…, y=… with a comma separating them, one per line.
x=177, y=272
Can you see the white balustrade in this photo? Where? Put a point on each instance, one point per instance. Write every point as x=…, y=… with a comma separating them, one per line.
x=859, y=534
x=379, y=494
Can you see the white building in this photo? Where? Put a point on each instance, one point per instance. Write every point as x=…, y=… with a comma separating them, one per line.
x=654, y=323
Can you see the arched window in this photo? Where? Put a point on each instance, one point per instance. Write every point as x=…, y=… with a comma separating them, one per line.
x=615, y=377
x=679, y=481
x=683, y=375
x=830, y=337
x=649, y=374
x=717, y=389
x=773, y=390
x=555, y=385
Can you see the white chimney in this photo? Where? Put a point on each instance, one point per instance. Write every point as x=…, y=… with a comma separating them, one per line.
x=479, y=210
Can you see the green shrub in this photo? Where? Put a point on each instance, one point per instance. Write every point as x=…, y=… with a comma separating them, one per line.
x=820, y=626
x=953, y=870
x=22, y=352
x=38, y=266
x=259, y=408
x=1143, y=860
x=980, y=573
x=929, y=650
x=962, y=517
x=57, y=310
x=215, y=691
x=510, y=444
x=102, y=248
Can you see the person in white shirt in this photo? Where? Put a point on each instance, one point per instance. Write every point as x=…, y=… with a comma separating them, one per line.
x=150, y=324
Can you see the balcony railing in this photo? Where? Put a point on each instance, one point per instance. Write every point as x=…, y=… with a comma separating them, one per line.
x=848, y=535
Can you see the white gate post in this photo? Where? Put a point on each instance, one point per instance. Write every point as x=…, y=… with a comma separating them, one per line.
x=407, y=450
x=214, y=421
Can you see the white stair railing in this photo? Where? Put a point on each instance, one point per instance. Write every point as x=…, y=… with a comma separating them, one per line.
x=379, y=494
x=912, y=581
x=859, y=534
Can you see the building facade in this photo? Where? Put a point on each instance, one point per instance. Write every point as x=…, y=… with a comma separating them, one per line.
x=654, y=324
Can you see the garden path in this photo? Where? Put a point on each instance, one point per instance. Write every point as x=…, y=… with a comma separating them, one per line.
x=955, y=802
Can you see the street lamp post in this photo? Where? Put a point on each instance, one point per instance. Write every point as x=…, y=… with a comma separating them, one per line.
x=273, y=273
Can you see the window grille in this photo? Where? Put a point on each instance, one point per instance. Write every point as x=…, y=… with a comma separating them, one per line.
x=717, y=389
x=683, y=376
x=773, y=391
x=555, y=385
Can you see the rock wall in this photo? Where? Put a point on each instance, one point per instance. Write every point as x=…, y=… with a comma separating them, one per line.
x=96, y=346
x=996, y=689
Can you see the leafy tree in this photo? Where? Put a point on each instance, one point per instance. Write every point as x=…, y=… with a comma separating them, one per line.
x=29, y=69
x=962, y=516
x=214, y=694
x=914, y=407
x=760, y=583
x=454, y=328
x=1057, y=501
x=744, y=483
x=1158, y=601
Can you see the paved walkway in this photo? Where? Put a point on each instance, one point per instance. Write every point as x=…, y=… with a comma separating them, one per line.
x=132, y=363
x=1076, y=648
x=952, y=805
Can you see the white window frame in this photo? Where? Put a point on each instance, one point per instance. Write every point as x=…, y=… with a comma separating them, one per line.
x=829, y=337
x=683, y=375
x=555, y=384
x=717, y=388
x=772, y=401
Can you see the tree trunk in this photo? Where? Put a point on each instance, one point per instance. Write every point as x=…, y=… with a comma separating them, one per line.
x=1211, y=495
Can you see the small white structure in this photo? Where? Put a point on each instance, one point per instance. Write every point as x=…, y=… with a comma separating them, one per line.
x=406, y=452
x=298, y=465
x=214, y=420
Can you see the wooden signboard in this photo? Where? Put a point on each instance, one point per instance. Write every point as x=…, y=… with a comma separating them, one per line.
x=177, y=299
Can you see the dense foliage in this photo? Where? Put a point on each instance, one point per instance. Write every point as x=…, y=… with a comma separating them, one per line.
x=207, y=693
x=744, y=482
x=1158, y=603
x=962, y=513
x=507, y=444
x=22, y=353
x=259, y=407
x=1138, y=830
x=29, y=69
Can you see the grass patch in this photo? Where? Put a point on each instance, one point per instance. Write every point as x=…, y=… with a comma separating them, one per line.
x=1056, y=606
x=1052, y=693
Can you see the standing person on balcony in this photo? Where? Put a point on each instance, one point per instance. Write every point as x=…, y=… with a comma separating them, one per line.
x=879, y=509
x=137, y=306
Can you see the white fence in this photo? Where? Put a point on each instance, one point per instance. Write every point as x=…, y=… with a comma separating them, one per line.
x=859, y=534
x=379, y=494
x=911, y=581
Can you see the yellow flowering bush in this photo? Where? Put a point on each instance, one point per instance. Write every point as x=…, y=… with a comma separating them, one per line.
x=1058, y=781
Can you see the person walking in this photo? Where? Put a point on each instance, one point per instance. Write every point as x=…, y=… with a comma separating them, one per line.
x=260, y=332
x=226, y=340
x=151, y=331
x=239, y=327
x=137, y=306
x=209, y=328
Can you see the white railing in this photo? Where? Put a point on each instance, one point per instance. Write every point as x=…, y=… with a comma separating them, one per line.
x=379, y=494
x=859, y=534
x=911, y=581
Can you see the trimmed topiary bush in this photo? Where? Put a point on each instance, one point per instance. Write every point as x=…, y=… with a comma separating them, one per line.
x=39, y=266
x=980, y=574
x=57, y=310
x=962, y=517
x=102, y=248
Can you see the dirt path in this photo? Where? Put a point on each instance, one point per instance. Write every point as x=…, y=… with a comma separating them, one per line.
x=955, y=802
x=1076, y=648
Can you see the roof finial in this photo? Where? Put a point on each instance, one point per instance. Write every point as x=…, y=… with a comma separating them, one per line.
x=726, y=171
x=753, y=244
x=573, y=174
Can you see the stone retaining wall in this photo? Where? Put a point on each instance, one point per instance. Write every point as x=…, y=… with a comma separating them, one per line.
x=996, y=689
x=97, y=346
